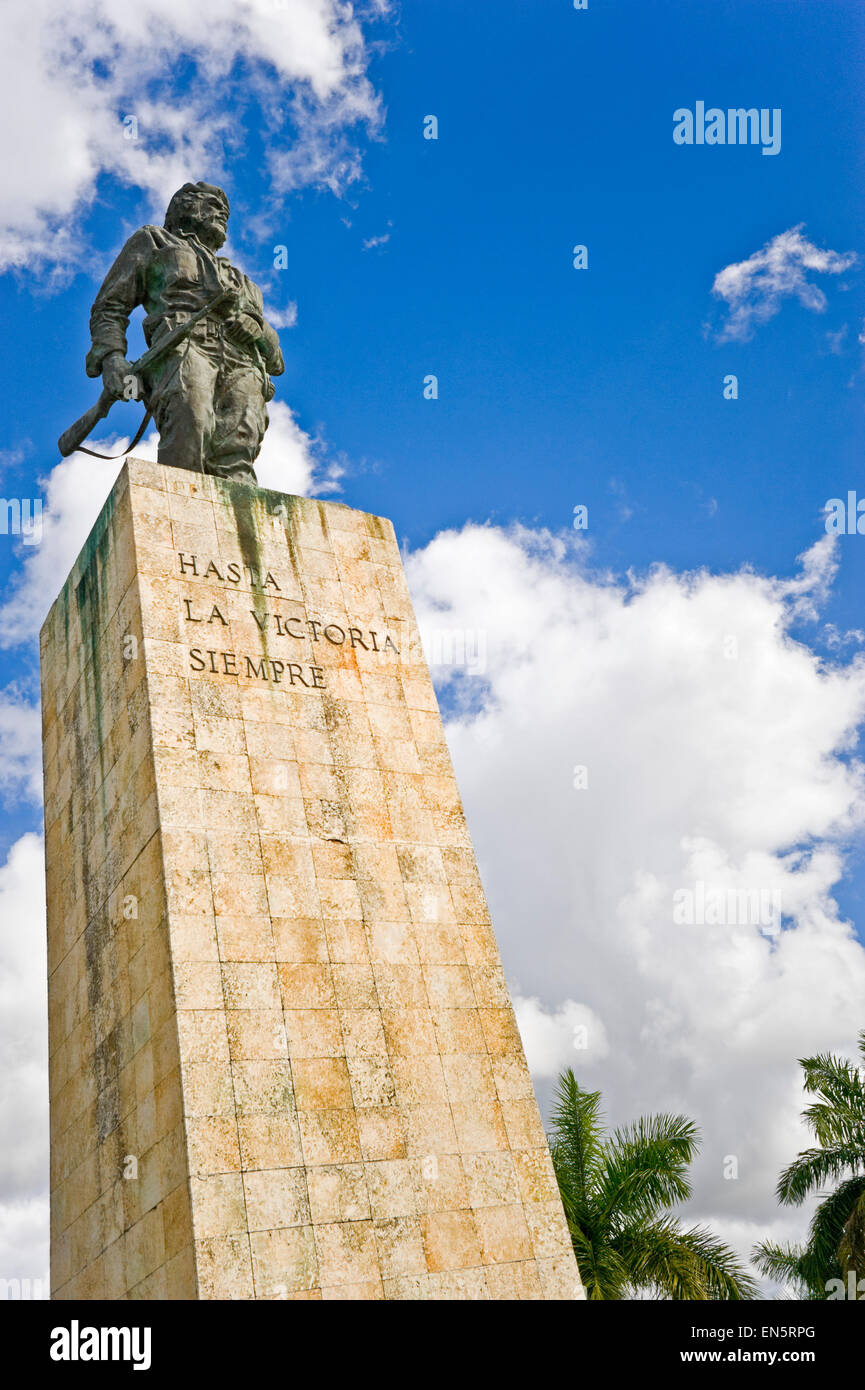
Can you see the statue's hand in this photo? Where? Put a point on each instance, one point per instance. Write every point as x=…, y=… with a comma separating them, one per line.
x=243, y=330
x=119, y=378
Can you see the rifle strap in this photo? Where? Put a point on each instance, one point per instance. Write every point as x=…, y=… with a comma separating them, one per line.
x=147, y=414
x=128, y=450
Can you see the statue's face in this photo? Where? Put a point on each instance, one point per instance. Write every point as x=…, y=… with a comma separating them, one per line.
x=205, y=215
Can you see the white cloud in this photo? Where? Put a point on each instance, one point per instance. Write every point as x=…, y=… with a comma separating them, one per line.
x=24, y=1048
x=292, y=460
x=10, y=457
x=282, y=318
x=716, y=748
x=571, y=1036
x=73, y=496
x=806, y=593
x=20, y=747
x=90, y=88
x=754, y=289
x=835, y=341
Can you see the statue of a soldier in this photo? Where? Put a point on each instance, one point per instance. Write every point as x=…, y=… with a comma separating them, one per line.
x=208, y=384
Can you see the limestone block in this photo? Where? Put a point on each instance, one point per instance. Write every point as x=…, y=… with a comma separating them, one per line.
x=283, y=1060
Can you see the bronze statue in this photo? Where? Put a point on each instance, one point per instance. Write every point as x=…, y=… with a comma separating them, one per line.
x=205, y=378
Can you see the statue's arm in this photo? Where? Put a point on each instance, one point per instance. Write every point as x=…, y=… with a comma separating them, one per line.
x=122, y=289
x=266, y=338
x=270, y=349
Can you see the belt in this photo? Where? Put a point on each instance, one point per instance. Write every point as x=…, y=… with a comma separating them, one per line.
x=208, y=329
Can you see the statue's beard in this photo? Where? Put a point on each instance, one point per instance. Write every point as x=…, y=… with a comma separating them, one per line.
x=210, y=234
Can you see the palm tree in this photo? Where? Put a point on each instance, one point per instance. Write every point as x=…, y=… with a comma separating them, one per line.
x=836, y=1236
x=615, y=1192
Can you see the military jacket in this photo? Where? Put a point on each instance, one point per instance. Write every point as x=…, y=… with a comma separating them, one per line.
x=172, y=275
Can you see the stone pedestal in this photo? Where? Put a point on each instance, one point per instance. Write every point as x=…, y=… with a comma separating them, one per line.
x=284, y=1063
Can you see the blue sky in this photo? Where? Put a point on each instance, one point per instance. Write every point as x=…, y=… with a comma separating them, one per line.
x=557, y=386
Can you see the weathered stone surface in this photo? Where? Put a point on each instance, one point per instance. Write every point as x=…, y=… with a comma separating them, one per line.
x=283, y=1063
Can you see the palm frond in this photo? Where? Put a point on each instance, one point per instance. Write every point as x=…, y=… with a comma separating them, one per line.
x=834, y=1124
x=813, y=1168
x=722, y=1272
x=684, y=1264
x=576, y=1144
x=837, y=1080
x=851, y=1246
x=658, y=1261
x=646, y=1167
x=604, y=1274
x=829, y=1222
x=791, y=1264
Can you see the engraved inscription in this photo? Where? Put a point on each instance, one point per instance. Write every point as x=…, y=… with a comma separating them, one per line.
x=272, y=624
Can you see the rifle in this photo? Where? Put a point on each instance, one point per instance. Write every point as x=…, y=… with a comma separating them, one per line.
x=74, y=437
